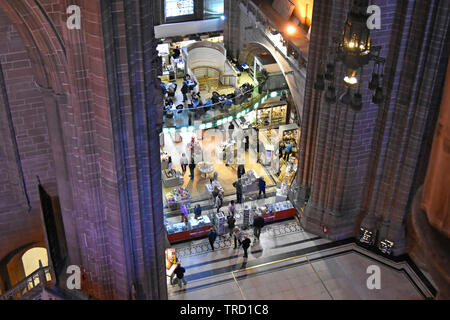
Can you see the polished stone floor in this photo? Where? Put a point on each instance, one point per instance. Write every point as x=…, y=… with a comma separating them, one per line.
x=289, y=263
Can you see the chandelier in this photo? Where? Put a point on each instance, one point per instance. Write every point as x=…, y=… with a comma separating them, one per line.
x=354, y=51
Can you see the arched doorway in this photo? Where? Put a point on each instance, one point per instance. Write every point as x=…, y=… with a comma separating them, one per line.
x=35, y=259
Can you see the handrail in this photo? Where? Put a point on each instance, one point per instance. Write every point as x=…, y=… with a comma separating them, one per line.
x=37, y=279
x=207, y=44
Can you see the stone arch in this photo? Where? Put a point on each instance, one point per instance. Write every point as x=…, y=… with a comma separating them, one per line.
x=42, y=41
x=11, y=267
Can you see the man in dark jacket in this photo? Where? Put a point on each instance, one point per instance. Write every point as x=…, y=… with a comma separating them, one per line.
x=231, y=223
x=240, y=171
x=192, y=169
x=262, y=187
x=245, y=245
x=258, y=224
x=179, y=271
x=184, y=91
x=238, y=185
x=212, y=238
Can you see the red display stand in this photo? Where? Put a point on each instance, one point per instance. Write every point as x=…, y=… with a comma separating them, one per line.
x=195, y=233
x=274, y=216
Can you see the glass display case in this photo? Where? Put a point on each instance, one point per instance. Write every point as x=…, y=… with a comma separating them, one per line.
x=192, y=228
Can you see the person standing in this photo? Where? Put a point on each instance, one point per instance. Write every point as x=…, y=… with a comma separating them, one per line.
x=231, y=223
x=212, y=238
x=245, y=245
x=192, y=170
x=258, y=224
x=240, y=171
x=219, y=201
x=238, y=185
x=230, y=130
x=184, y=162
x=197, y=211
x=169, y=164
x=232, y=208
x=179, y=271
x=184, y=213
x=262, y=187
x=184, y=91
x=287, y=151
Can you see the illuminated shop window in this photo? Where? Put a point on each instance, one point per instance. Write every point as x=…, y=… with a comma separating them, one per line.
x=175, y=8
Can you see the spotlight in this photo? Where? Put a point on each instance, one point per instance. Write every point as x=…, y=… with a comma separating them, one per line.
x=357, y=102
x=291, y=29
x=222, y=17
x=330, y=95
x=378, y=97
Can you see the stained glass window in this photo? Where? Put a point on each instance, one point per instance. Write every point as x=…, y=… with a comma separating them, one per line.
x=175, y=8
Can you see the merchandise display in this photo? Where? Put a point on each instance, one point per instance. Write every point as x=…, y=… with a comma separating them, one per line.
x=172, y=178
x=164, y=160
x=220, y=223
x=250, y=181
x=205, y=168
x=193, y=228
x=177, y=197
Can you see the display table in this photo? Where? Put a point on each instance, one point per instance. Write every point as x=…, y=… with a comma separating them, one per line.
x=172, y=178
x=250, y=182
x=278, y=211
x=205, y=168
x=210, y=187
x=194, y=229
x=177, y=197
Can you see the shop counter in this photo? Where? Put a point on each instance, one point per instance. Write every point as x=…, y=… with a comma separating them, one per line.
x=193, y=229
x=279, y=215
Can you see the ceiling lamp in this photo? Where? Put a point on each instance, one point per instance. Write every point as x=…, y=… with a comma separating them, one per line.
x=354, y=51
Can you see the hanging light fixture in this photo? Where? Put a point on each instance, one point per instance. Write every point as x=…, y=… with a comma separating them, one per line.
x=354, y=51
x=330, y=95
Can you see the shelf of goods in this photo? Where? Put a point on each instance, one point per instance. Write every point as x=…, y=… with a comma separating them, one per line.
x=177, y=197
x=172, y=178
x=195, y=228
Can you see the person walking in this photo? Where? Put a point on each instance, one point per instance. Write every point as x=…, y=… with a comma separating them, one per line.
x=179, y=271
x=232, y=208
x=212, y=237
x=240, y=171
x=262, y=187
x=231, y=223
x=258, y=224
x=237, y=237
x=192, y=170
x=238, y=185
x=184, y=163
x=245, y=245
x=219, y=201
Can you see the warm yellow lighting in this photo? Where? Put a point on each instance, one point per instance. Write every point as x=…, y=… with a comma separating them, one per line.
x=291, y=29
x=351, y=81
x=351, y=44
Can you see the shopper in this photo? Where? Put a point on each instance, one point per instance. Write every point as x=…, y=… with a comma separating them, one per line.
x=184, y=162
x=237, y=237
x=192, y=170
x=219, y=201
x=184, y=213
x=169, y=164
x=230, y=131
x=280, y=150
x=231, y=208
x=197, y=211
x=231, y=223
x=212, y=237
x=179, y=271
x=238, y=185
x=258, y=224
x=262, y=187
x=184, y=91
x=240, y=171
x=287, y=151
x=245, y=245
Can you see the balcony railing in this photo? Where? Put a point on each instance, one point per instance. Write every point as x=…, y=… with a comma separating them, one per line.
x=35, y=282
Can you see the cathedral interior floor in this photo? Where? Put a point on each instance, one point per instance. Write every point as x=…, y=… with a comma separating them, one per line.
x=291, y=264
